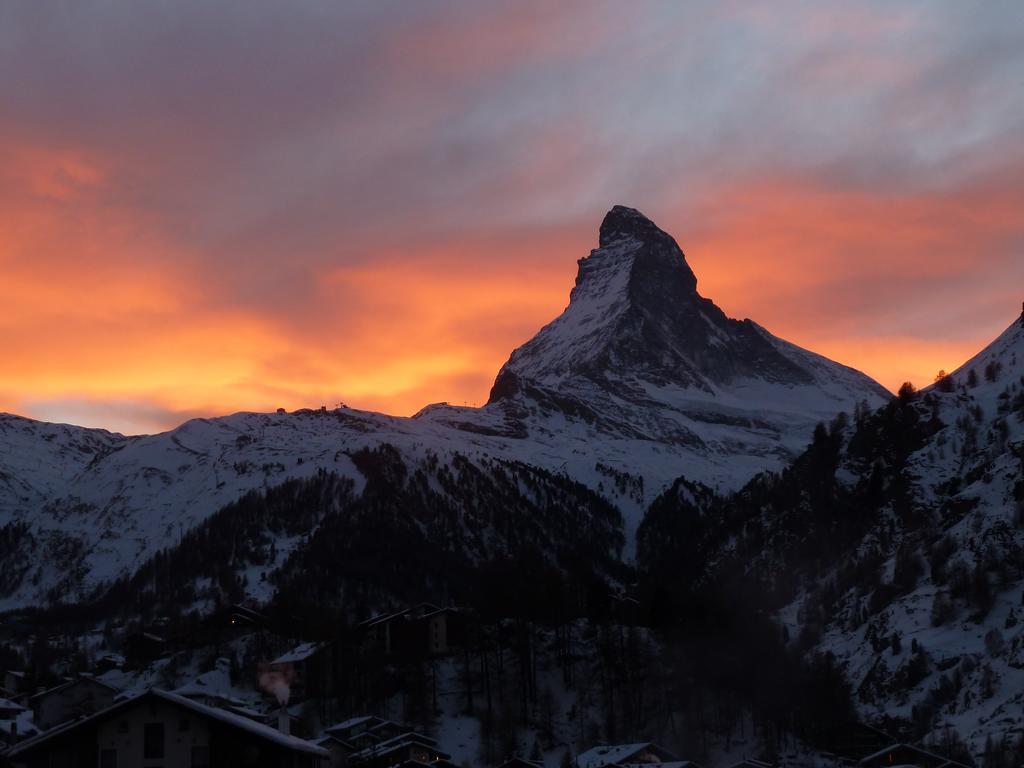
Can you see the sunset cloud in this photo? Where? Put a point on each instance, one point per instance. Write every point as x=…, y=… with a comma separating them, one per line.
x=209, y=208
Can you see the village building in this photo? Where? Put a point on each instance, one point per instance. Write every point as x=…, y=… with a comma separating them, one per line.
x=366, y=730
x=140, y=648
x=338, y=750
x=406, y=747
x=519, y=762
x=643, y=753
x=109, y=661
x=907, y=755
x=309, y=670
x=171, y=731
x=358, y=735
x=423, y=630
x=16, y=685
x=16, y=723
x=70, y=700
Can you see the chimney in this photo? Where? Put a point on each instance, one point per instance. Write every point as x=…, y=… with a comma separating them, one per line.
x=284, y=721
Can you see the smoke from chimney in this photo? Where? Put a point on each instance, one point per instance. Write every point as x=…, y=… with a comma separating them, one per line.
x=277, y=682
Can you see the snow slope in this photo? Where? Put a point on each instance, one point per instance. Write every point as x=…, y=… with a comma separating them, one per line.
x=960, y=646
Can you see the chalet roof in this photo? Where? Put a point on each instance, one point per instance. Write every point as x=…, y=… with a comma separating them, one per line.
x=939, y=759
x=420, y=611
x=396, y=743
x=618, y=754
x=83, y=678
x=253, y=728
x=11, y=705
x=300, y=653
x=521, y=762
x=352, y=722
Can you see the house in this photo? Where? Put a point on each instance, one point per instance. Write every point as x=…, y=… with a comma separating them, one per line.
x=338, y=750
x=643, y=753
x=358, y=734
x=308, y=669
x=366, y=730
x=161, y=728
x=907, y=755
x=72, y=699
x=519, y=762
x=424, y=630
x=15, y=723
x=16, y=683
x=109, y=661
x=406, y=747
x=140, y=648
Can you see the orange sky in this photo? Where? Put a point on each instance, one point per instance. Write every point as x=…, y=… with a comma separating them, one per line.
x=377, y=208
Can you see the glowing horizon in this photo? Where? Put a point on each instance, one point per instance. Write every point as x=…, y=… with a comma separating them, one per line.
x=375, y=204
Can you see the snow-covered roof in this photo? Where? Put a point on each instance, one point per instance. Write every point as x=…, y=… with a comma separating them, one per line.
x=943, y=762
x=8, y=704
x=395, y=743
x=76, y=681
x=618, y=754
x=251, y=727
x=354, y=722
x=299, y=653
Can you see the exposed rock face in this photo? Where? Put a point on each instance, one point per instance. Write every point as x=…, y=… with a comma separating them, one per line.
x=635, y=313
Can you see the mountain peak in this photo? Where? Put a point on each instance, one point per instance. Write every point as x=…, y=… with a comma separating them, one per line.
x=635, y=316
x=623, y=221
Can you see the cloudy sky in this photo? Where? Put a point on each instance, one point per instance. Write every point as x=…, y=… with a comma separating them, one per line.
x=210, y=207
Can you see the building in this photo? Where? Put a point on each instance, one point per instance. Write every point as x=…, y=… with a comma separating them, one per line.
x=338, y=750
x=70, y=700
x=16, y=685
x=15, y=723
x=140, y=648
x=366, y=730
x=358, y=734
x=308, y=670
x=519, y=762
x=161, y=728
x=643, y=753
x=405, y=748
x=424, y=630
x=907, y=755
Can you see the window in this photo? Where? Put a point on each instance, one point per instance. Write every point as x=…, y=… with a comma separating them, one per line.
x=153, y=740
x=200, y=757
x=108, y=758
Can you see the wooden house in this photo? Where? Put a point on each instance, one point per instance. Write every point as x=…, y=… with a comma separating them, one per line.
x=70, y=700
x=907, y=755
x=157, y=728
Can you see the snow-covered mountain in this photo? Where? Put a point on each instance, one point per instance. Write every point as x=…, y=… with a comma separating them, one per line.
x=895, y=543
x=948, y=644
x=638, y=381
